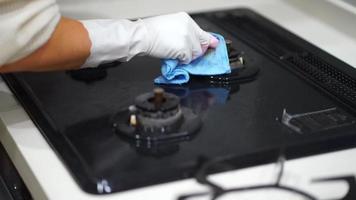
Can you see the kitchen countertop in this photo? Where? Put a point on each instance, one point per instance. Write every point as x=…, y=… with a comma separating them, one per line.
x=326, y=24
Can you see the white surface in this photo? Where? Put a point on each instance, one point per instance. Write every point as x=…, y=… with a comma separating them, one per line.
x=320, y=22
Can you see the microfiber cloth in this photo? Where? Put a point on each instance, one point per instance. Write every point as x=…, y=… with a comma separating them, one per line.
x=214, y=62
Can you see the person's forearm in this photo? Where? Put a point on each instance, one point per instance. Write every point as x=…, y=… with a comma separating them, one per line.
x=68, y=48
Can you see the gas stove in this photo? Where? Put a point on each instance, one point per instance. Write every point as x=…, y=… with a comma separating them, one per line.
x=115, y=130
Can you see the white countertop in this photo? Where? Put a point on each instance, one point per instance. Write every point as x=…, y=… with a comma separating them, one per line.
x=328, y=25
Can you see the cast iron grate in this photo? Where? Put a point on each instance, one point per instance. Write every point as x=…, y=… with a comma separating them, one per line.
x=217, y=192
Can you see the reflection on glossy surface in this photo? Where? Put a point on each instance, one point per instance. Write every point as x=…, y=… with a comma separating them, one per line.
x=75, y=117
x=103, y=187
x=200, y=95
x=197, y=96
x=156, y=123
x=159, y=149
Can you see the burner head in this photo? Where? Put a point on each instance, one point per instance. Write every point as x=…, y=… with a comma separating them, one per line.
x=88, y=75
x=156, y=117
x=157, y=102
x=157, y=111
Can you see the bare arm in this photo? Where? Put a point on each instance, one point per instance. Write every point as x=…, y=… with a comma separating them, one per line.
x=73, y=44
x=68, y=48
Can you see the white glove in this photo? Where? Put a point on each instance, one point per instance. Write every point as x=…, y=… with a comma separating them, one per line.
x=174, y=36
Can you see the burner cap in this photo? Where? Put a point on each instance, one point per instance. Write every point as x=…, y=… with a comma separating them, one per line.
x=156, y=101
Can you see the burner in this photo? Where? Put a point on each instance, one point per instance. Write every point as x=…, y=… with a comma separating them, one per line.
x=156, y=117
x=241, y=70
x=88, y=75
x=91, y=75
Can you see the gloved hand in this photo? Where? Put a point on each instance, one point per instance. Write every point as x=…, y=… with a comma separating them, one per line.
x=174, y=36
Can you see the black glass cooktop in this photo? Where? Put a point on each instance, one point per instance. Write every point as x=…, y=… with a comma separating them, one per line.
x=300, y=101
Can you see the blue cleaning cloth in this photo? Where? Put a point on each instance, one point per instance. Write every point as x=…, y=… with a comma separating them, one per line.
x=214, y=62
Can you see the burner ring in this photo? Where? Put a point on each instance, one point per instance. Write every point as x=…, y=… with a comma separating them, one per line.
x=147, y=121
